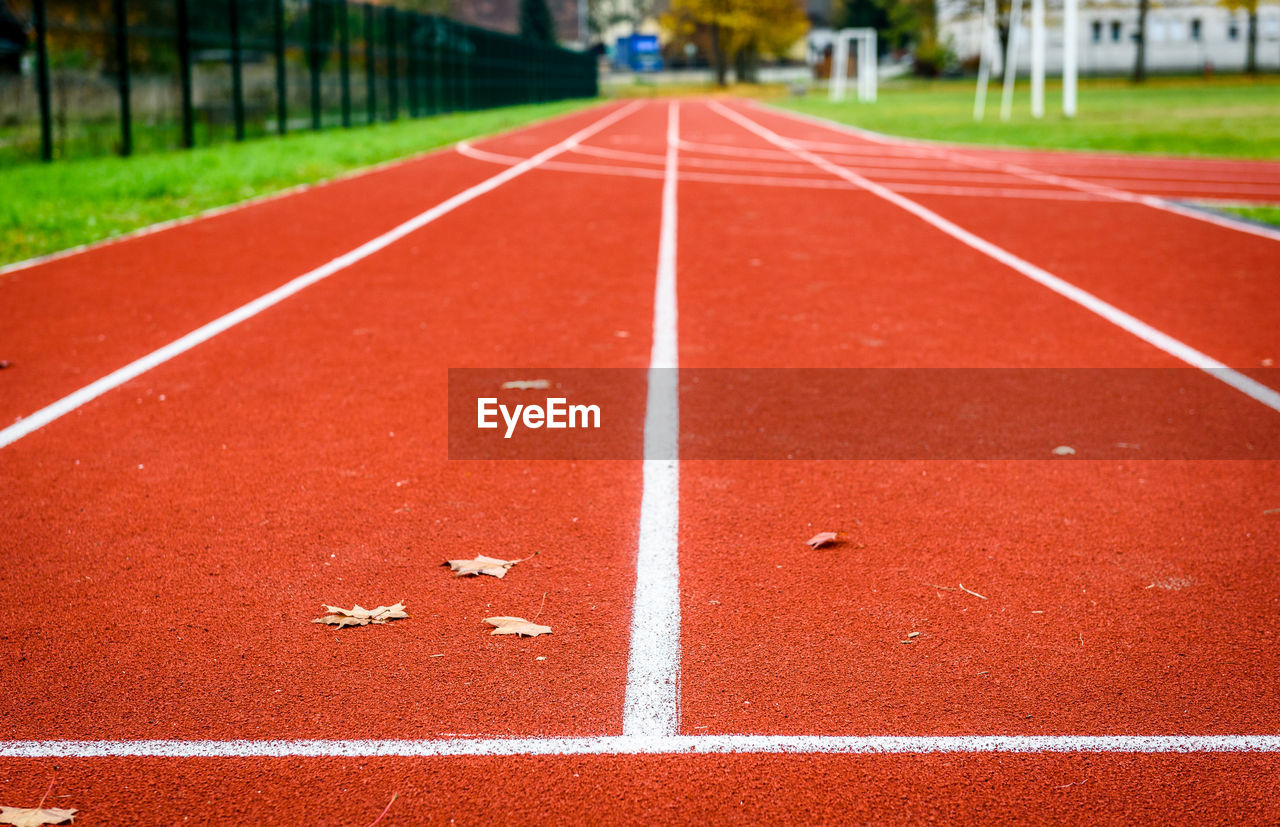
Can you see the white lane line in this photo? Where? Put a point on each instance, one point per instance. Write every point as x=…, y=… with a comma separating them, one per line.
x=1152, y=201
x=652, y=706
x=223, y=209
x=801, y=182
x=650, y=745
x=1163, y=341
x=206, y=332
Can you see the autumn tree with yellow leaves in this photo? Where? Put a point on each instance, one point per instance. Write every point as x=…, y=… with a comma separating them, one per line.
x=738, y=31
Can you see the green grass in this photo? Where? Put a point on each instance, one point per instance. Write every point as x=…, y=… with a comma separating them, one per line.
x=1265, y=214
x=1223, y=116
x=49, y=207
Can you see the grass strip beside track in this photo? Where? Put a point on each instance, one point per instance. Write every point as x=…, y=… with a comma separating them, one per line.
x=1223, y=116
x=1267, y=214
x=49, y=207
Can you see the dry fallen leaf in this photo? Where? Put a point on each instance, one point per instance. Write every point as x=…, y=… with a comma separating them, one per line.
x=361, y=617
x=483, y=565
x=1064, y=451
x=526, y=384
x=35, y=816
x=516, y=626
x=820, y=540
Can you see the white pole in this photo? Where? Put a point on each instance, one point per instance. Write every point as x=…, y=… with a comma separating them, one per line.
x=984, y=60
x=839, y=67
x=859, y=46
x=1011, y=61
x=864, y=73
x=1070, y=44
x=582, y=24
x=1037, y=58
x=873, y=65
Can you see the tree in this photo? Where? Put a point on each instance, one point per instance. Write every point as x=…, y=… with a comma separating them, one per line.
x=739, y=31
x=441, y=8
x=911, y=24
x=859, y=14
x=977, y=9
x=1250, y=7
x=536, y=22
x=604, y=14
x=1140, y=41
x=13, y=41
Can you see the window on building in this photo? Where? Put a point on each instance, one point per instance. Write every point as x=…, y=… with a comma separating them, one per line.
x=1233, y=31
x=1097, y=31
x=1115, y=31
x=1195, y=28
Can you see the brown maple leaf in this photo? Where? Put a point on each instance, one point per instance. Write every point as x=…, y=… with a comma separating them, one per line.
x=491, y=566
x=35, y=816
x=361, y=617
x=820, y=540
x=516, y=626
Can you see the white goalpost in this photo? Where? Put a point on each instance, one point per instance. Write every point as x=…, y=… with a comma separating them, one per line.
x=864, y=42
x=989, y=43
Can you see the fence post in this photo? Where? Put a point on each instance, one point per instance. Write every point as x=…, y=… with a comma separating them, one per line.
x=422, y=24
x=237, y=79
x=344, y=57
x=184, y=75
x=467, y=45
x=447, y=69
x=410, y=23
x=42, y=81
x=437, y=68
x=282, y=89
x=313, y=60
x=393, y=92
x=370, y=65
x=122, y=69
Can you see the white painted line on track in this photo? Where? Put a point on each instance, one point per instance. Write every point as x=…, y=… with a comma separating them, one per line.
x=801, y=182
x=651, y=745
x=206, y=332
x=652, y=705
x=948, y=153
x=223, y=209
x=1180, y=350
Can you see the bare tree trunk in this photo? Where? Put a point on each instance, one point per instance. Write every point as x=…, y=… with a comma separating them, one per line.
x=1251, y=49
x=744, y=64
x=718, y=56
x=1140, y=58
x=1002, y=29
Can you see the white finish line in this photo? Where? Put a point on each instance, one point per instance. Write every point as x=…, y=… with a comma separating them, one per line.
x=651, y=745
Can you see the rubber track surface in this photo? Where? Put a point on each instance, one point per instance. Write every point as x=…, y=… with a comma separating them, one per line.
x=166, y=544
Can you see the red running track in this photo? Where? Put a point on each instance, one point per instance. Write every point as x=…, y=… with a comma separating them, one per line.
x=167, y=542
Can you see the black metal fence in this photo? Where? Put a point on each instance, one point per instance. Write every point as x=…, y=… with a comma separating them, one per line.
x=99, y=76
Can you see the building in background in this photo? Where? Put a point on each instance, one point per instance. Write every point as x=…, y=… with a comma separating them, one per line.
x=1182, y=36
x=504, y=16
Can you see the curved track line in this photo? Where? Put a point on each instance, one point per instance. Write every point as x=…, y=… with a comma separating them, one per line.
x=1178, y=349
x=469, y=151
x=1152, y=201
x=201, y=334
